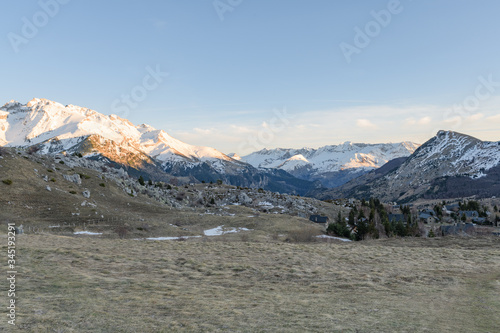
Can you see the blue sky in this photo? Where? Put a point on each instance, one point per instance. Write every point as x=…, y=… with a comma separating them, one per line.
x=249, y=74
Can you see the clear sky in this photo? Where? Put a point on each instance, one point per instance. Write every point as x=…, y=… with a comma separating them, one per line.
x=249, y=74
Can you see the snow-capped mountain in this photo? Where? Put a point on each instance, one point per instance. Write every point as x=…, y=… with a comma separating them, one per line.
x=55, y=128
x=332, y=165
x=451, y=154
x=41, y=120
x=234, y=156
x=448, y=165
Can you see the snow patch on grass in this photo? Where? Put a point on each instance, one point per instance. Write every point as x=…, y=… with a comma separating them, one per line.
x=332, y=237
x=87, y=233
x=221, y=231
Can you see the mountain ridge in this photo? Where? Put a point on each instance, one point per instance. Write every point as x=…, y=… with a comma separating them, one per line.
x=449, y=165
x=54, y=128
x=333, y=165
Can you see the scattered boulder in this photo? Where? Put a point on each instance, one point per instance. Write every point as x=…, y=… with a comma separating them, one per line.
x=86, y=194
x=244, y=199
x=73, y=178
x=88, y=204
x=48, y=188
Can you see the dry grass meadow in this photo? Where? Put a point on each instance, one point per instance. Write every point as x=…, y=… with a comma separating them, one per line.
x=223, y=284
x=272, y=278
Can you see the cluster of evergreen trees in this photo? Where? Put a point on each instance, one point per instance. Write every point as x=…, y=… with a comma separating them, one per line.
x=371, y=220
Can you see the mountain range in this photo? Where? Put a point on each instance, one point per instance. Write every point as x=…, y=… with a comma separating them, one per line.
x=332, y=165
x=448, y=165
x=141, y=150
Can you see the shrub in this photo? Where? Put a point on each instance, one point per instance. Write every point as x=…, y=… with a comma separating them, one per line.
x=50, y=170
x=245, y=237
x=180, y=196
x=32, y=150
x=144, y=227
x=53, y=179
x=102, y=185
x=72, y=192
x=84, y=176
x=7, y=181
x=306, y=234
x=122, y=231
x=61, y=162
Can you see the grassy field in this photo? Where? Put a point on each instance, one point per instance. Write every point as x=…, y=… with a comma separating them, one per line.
x=222, y=284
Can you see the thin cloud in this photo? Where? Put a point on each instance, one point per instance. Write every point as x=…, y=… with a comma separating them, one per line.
x=365, y=123
x=494, y=118
x=424, y=121
x=475, y=117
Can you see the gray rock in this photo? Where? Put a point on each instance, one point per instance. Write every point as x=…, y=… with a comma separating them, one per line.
x=73, y=178
x=244, y=199
x=48, y=188
x=86, y=194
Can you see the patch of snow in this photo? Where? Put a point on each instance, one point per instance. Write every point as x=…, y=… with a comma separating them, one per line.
x=87, y=233
x=222, y=231
x=332, y=237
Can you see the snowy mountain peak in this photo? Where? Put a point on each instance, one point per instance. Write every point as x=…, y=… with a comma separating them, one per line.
x=234, y=156
x=334, y=158
x=326, y=163
x=41, y=102
x=40, y=121
x=11, y=103
x=294, y=162
x=298, y=157
x=346, y=144
x=451, y=153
